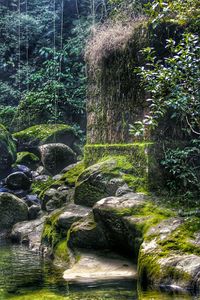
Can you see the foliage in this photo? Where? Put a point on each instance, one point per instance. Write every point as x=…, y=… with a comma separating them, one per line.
x=183, y=169
x=185, y=12
x=173, y=84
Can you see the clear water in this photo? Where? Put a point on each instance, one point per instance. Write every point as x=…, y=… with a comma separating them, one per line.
x=25, y=276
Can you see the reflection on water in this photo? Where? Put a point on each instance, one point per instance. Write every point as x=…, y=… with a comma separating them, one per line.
x=25, y=276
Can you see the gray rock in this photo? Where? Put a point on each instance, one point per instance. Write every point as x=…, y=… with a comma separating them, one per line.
x=123, y=190
x=54, y=198
x=12, y=210
x=54, y=156
x=121, y=232
x=87, y=234
x=72, y=214
x=29, y=233
x=17, y=181
x=33, y=212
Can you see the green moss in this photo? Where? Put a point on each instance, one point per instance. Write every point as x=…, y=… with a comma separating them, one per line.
x=181, y=239
x=27, y=158
x=61, y=251
x=70, y=177
x=39, y=187
x=43, y=132
x=135, y=151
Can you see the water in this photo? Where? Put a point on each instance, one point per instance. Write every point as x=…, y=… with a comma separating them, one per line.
x=25, y=276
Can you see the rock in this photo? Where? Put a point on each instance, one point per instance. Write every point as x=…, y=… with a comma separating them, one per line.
x=23, y=169
x=87, y=234
x=163, y=260
x=18, y=180
x=19, y=193
x=28, y=159
x=116, y=218
x=12, y=210
x=54, y=198
x=42, y=178
x=32, y=200
x=54, y=156
x=72, y=214
x=31, y=138
x=29, y=233
x=123, y=190
x=98, y=181
x=100, y=267
x=33, y=212
x=4, y=190
x=41, y=170
x=7, y=150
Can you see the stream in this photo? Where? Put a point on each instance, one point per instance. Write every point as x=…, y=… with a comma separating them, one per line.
x=24, y=275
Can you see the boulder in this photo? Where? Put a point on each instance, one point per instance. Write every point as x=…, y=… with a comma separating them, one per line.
x=29, y=233
x=7, y=150
x=168, y=256
x=98, y=181
x=31, y=138
x=12, y=210
x=17, y=181
x=54, y=198
x=55, y=156
x=116, y=216
x=87, y=234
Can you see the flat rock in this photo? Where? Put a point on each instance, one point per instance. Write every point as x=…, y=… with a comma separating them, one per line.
x=97, y=267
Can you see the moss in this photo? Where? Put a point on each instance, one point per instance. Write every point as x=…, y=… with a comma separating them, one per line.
x=27, y=158
x=61, y=251
x=71, y=176
x=181, y=239
x=43, y=132
x=39, y=187
x=135, y=151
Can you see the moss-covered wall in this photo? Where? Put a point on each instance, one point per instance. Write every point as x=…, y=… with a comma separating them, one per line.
x=144, y=156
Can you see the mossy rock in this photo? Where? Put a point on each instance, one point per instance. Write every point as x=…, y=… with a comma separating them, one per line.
x=7, y=149
x=12, y=211
x=32, y=137
x=170, y=255
x=28, y=159
x=103, y=179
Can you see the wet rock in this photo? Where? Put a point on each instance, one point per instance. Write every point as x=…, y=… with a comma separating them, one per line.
x=42, y=178
x=29, y=233
x=12, y=210
x=18, y=180
x=54, y=156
